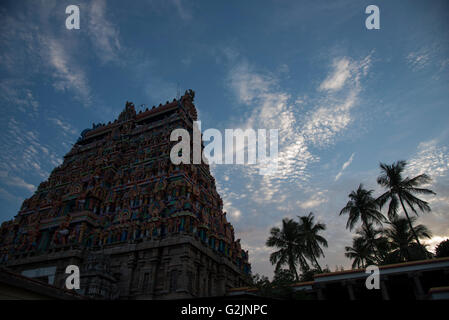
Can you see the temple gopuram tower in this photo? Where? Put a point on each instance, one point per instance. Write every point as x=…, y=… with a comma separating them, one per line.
x=137, y=226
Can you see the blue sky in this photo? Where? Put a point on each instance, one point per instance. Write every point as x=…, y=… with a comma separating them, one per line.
x=343, y=97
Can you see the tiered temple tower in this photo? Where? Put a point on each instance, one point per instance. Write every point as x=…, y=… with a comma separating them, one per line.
x=137, y=226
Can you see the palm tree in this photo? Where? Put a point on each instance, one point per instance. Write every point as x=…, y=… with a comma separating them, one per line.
x=291, y=249
x=401, y=239
x=359, y=252
x=362, y=206
x=308, y=231
x=372, y=239
x=442, y=249
x=400, y=190
x=383, y=249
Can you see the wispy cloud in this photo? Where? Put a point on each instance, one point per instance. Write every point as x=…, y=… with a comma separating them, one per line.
x=274, y=111
x=22, y=98
x=432, y=56
x=104, y=35
x=182, y=9
x=66, y=127
x=418, y=60
x=68, y=74
x=15, y=181
x=431, y=159
x=344, y=166
x=9, y=196
x=304, y=123
x=31, y=48
x=314, y=201
x=341, y=73
x=23, y=152
x=332, y=113
x=269, y=107
x=249, y=85
x=272, y=107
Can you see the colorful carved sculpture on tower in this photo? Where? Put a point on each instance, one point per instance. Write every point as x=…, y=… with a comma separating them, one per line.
x=117, y=184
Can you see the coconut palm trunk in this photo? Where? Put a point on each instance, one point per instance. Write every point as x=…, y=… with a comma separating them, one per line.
x=309, y=231
x=363, y=206
x=290, y=250
x=410, y=224
x=371, y=237
x=400, y=189
x=317, y=264
x=292, y=268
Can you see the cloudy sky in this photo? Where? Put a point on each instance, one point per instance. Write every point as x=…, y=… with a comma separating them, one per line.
x=343, y=97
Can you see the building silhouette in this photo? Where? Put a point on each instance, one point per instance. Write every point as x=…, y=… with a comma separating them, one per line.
x=138, y=226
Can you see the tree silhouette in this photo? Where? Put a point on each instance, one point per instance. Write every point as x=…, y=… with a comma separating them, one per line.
x=401, y=239
x=442, y=249
x=363, y=206
x=360, y=253
x=308, y=231
x=400, y=190
x=291, y=248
